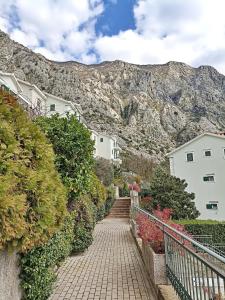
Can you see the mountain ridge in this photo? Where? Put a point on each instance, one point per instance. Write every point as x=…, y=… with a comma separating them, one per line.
x=151, y=108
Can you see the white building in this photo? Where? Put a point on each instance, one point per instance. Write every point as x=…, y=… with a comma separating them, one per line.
x=58, y=105
x=10, y=81
x=94, y=137
x=201, y=162
x=106, y=147
x=35, y=96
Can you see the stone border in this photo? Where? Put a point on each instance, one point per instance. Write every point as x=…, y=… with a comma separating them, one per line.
x=165, y=291
x=9, y=276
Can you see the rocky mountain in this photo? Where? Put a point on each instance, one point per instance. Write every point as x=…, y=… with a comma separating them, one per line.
x=151, y=108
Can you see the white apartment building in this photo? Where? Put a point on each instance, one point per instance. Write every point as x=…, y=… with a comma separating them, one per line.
x=37, y=98
x=10, y=81
x=201, y=162
x=58, y=105
x=106, y=147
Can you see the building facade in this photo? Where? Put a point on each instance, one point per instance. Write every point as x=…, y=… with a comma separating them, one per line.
x=60, y=106
x=201, y=162
x=35, y=96
x=106, y=147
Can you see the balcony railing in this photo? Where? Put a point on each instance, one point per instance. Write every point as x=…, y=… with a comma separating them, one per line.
x=195, y=271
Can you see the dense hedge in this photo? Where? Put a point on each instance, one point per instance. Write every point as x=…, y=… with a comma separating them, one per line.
x=209, y=227
x=110, y=199
x=84, y=224
x=33, y=202
x=37, y=266
x=74, y=148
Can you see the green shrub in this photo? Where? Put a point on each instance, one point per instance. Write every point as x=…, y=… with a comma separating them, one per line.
x=97, y=191
x=208, y=227
x=33, y=199
x=100, y=214
x=82, y=237
x=74, y=152
x=84, y=223
x=37, y=266
x=109, y=200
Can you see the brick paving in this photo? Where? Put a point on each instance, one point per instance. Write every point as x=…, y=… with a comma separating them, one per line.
x=110, y=269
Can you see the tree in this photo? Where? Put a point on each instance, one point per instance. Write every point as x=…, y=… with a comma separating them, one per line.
x=104, y=170
x=74, y=152
x=170, y=192
x=33, y=199
x=138, y=164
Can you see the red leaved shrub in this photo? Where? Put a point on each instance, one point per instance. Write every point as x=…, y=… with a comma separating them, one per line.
x=134, y=187
x=150, y=231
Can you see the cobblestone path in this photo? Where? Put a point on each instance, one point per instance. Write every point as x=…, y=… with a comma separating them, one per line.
x=110, y=269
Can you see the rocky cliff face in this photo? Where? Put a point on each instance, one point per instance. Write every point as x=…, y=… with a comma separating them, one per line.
x=151, y=108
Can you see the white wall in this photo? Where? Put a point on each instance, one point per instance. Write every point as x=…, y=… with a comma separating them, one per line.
x=105, y=148
x=33, y=96
x=193, y=173
x=10, y=83
x=94, y=137
x=61, y=106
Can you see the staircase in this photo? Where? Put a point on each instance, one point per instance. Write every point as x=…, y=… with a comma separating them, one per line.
x=120, y=209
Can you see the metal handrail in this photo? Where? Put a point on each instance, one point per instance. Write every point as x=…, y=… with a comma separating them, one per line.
x=205, y=249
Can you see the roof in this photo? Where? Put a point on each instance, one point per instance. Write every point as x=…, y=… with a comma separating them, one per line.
x=14, y=80
x=217, y=135
x=33, y=86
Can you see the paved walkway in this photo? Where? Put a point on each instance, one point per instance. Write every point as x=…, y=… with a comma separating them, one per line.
x=110, y=269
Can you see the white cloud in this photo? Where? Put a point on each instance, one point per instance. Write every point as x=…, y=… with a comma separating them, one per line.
x=191, y=31
x=53, y=28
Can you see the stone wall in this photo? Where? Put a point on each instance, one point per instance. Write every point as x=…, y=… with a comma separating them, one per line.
x=155, y=264
x=9, y=276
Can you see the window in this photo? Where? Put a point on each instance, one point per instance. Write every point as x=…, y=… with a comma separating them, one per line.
x=212, y=206
x=209, y=178
x=52, y=107
x=38, y=104
x=101, y=140
x=207, y=153
x=190, y=156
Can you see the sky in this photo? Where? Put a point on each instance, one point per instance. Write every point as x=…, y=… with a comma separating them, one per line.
x=135, y=31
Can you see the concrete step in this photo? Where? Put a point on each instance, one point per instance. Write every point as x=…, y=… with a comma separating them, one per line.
x=120, y=209
x=121, y=214
x=118, y=217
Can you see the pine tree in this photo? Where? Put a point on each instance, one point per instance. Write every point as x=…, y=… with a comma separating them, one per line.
x=168, y=191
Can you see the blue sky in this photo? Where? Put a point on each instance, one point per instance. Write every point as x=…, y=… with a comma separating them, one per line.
x=136, y=31
x=117, y=16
